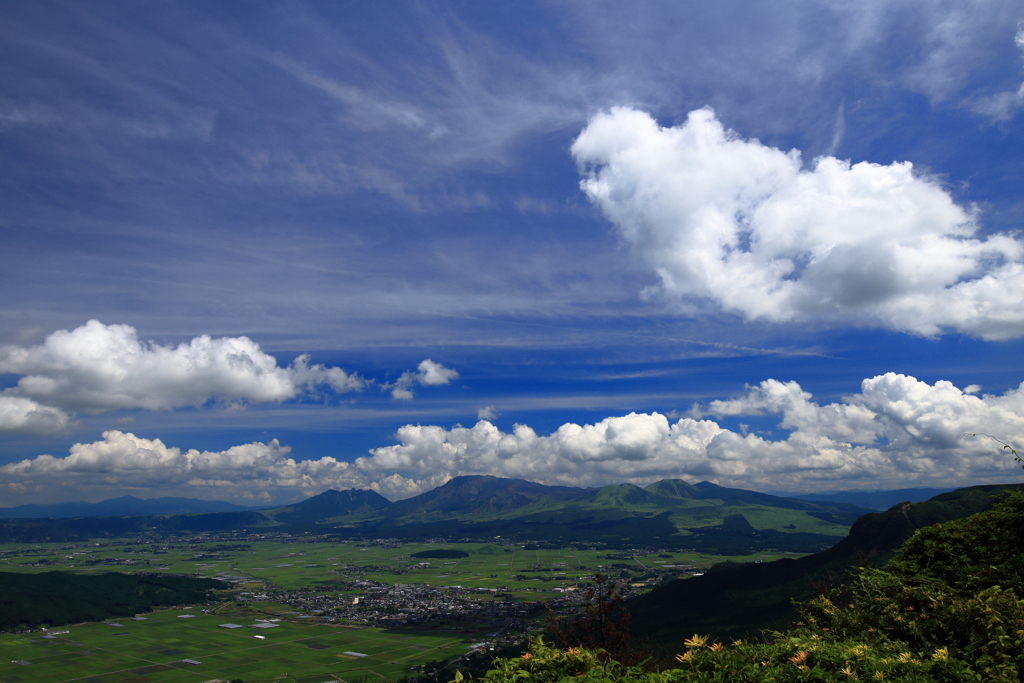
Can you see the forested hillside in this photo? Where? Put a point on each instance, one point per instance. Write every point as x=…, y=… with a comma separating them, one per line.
x=734, y=600
x=947, y=607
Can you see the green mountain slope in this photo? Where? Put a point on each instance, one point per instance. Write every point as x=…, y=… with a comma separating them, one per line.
x=674, y=488
x=480, y=497
x=324, y=507
x=733, y=601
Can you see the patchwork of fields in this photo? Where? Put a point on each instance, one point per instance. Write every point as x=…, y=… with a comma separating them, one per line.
x=307, y=645
x=295, y=563
x=155, y=649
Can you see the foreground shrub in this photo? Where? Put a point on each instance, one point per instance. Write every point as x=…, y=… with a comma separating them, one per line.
x=788, y=658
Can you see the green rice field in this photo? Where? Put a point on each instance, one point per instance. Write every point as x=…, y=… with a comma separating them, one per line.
x=292, y=563
x=155, y=649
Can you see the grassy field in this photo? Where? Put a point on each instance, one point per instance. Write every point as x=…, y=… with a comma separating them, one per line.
x=290, y=564
x=153, y=649
x=301, y=648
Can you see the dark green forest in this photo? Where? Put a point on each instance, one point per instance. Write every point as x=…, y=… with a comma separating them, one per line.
x=440, y=554
x=56, y=598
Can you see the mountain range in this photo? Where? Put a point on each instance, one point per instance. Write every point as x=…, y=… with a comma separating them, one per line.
x=670, y=513
x=123, y=505
x=130, y=505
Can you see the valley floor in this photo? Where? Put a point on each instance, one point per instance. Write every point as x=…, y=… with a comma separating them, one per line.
x=371, y=597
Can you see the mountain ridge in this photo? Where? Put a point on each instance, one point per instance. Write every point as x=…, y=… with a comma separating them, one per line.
x=669, y=512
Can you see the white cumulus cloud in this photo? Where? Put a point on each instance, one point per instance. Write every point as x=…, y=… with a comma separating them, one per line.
x=487, y=413
x=99, y=367
x=19, y=414
x=633, y=447
x=428, y=373
x=896, y=428
x=128, y=462
x=732, y=224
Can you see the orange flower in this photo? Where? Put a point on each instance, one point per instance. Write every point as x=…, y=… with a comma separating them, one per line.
x=696, y=641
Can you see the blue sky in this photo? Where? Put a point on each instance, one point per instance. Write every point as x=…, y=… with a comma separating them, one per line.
x=257, y=250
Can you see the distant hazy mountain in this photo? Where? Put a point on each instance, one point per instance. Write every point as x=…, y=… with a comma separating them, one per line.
x=119, y=507
x=874, y=500
x=670, y=512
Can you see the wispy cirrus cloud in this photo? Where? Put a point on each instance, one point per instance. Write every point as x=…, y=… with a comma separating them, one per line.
x=1003, y=106
x=367, y=110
